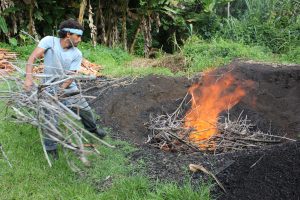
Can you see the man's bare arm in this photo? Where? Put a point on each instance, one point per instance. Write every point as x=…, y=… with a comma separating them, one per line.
x=66, y=84
x=37, y=53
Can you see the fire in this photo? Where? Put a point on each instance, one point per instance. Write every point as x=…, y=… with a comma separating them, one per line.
x=209, y=98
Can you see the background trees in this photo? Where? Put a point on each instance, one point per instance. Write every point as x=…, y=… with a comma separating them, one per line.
x=161, y=24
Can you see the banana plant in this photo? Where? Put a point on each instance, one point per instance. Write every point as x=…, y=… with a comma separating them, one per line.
x=3, y=25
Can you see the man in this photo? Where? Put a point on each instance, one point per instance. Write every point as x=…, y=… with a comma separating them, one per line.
x=61, y=56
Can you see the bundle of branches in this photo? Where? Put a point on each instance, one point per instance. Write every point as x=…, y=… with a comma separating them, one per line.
x=43, y=109
x=5, y=57
x=169, y=133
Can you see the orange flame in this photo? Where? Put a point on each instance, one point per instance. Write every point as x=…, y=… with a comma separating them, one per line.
x=209, y=98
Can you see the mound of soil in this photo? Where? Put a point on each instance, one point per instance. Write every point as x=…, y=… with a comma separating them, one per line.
x=127, y=108
x=276, y=93
x=272, y=173
x=272, y=105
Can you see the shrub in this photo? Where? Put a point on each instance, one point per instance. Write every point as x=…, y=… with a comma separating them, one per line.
x=203, y=54
x=271, y=23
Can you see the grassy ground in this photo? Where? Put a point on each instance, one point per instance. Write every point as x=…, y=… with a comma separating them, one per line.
x=203, y=54
x=32, y=178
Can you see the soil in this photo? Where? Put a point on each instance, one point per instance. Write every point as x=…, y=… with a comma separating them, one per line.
x=272, y=104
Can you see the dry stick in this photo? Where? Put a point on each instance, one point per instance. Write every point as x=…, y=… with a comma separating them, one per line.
x=61, y=141
x=81, y=148
x=4, y=155
x=257, y=161
x=258, y=140
x=87, y=132
x=43, y=145
x=71, y=164
x=195, y=168
x=63, y=106
x=41, y=136
x=185, y=142
x=276, y=136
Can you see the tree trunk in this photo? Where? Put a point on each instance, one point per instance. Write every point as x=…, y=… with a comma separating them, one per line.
x=228, y=10
x=14, y=24
x=124, y=29
x=115, y=31
x=147, y=35
x=100, y=23
x=93, y=28
x=83, y=4
x=31, y=26
x=136, y=33
x=110, y=21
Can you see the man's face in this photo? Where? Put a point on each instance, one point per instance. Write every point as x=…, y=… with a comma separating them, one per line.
x=74, y=39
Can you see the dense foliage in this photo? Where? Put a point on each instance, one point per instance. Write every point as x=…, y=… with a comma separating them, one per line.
x=271, y=23
x=141, y=25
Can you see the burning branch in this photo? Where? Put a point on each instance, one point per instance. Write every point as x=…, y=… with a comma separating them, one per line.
x=201, y=128
x=168, y=132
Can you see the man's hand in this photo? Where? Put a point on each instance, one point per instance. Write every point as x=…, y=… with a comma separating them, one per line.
x=28, y=84
x=3, y=61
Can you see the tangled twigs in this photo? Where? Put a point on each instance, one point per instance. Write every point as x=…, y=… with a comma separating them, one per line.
x=240, y=134
x=42, y=108
x=104, y=84
x=168, y=132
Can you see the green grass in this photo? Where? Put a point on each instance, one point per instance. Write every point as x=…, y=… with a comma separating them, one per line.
x=203, y=54
x=114, y=61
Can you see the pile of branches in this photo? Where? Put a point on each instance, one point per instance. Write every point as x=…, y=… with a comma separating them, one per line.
x=169, y=133
x=86, y=68
x=44, y=110
x=6, y=57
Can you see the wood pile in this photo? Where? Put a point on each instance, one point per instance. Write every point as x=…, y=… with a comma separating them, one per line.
x=87, y=68
x=6, y=56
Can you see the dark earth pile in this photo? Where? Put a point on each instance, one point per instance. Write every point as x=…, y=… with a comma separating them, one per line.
x=269, y=173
